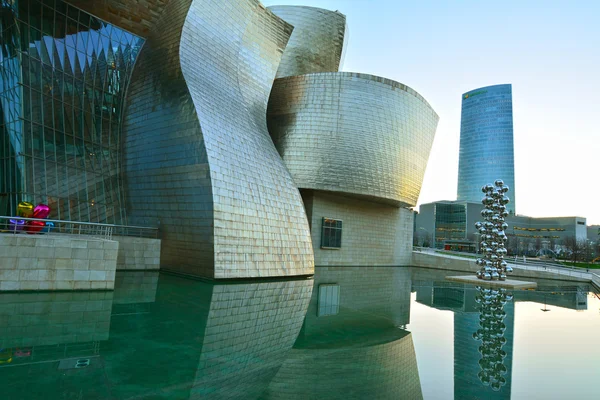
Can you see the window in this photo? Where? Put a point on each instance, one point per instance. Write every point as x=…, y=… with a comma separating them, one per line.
x=331, y=236
x=329, y=300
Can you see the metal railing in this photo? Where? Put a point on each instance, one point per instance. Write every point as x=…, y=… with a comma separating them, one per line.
x=106, y=231
x=596, y=280
x=553, y=268
x=528, y=264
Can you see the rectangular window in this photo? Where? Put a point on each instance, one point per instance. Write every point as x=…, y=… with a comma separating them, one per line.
x=580, y=223
x=329, y=300
x=331, y=236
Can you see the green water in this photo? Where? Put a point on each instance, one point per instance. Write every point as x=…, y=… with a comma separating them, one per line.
x=349, y=333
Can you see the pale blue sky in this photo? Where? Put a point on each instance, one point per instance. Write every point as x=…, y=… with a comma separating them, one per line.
x=548, y=50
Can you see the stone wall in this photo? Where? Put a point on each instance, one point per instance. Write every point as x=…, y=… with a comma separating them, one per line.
x=138, y=253
x=44, y=319
x=134, y=287
x=372, y=234
x=47, y=262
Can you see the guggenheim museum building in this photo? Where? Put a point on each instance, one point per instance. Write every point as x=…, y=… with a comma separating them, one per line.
x=226, y=124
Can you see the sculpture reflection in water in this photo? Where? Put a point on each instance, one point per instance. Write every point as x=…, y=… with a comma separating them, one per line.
x=492, y=232
x=491, y=334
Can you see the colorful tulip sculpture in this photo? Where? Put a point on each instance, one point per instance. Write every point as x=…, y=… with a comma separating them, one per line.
x=26, y=209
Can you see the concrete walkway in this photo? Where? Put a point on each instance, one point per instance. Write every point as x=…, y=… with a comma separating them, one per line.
x=431, y=258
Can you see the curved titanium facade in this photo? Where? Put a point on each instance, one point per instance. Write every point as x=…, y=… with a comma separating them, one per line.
x=64, y=75
x=317, y=42
x=199, y=158
x=353, y=133
x=136, y=16
x=486, y=142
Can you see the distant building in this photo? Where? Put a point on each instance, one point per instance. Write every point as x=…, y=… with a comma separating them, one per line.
x=486, y=142
x=451, y=225
x=593, y=233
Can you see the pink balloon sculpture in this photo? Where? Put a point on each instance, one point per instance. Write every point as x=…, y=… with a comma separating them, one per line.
x=40, y=211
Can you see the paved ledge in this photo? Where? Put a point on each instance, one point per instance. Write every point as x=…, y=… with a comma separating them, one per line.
x=507, y=284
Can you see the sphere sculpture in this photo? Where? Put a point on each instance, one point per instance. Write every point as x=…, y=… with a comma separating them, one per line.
x=491, y=334
x=492, y=232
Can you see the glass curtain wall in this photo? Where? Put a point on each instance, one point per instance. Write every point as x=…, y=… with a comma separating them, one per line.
x=64, y=77
x=450, y=223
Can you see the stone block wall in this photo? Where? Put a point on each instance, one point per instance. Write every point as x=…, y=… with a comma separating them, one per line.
x=44, y=319
x=47, y=262
x=133, y=287
x=373, y=233
x=138, y=253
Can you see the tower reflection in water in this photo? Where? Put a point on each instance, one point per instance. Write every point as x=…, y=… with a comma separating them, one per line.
x=468, y=305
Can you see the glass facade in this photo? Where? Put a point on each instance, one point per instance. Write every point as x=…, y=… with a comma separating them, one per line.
x=486, y=142
x=450, y=223
x=64, y=75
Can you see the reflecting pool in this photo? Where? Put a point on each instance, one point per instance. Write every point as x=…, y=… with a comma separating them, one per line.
x=348, y=333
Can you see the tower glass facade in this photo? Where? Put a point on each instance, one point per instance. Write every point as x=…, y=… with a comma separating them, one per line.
x=486, y=142
x=64, y=74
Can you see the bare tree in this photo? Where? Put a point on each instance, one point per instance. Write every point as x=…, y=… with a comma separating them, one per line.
x=538, y=244
x=525, y=243
x=577, y=249
x=587, y=250
x=512, y=245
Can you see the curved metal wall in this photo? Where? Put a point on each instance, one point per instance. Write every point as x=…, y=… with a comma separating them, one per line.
x=137, y=16
x=317, y=42
x=353, y=133
x=199, y=156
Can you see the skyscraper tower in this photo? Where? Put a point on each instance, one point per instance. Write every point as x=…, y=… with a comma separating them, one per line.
x=486, y=142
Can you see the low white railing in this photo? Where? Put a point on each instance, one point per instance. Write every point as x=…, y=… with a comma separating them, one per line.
x=54, y=227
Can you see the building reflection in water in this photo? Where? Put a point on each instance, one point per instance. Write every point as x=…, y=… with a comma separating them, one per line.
x=341, y=335
x=474, y=373
x=353, y=344
x=152, y=337
x=465, y=303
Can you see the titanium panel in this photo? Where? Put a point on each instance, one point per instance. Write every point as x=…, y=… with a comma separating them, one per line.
x=136, y=16
x=317, y=42
x=200, y=160
x=353, y=133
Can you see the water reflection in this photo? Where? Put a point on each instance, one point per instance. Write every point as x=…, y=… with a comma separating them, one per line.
x=483, y=324
x=354, y=347
x=349, y=333
x=153, y=337
x=466, y=303
x=491, y=334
